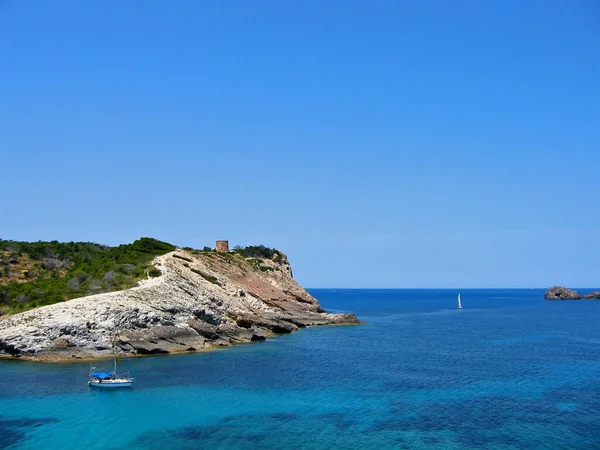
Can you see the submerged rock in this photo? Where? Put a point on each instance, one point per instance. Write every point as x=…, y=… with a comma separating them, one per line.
x=200, y=301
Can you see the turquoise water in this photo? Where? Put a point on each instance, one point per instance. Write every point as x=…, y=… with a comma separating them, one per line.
x=509, y=371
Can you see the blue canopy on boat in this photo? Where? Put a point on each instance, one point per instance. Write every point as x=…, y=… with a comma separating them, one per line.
x=102, y=375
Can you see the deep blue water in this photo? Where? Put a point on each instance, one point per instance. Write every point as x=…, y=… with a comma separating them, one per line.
x=509, y=371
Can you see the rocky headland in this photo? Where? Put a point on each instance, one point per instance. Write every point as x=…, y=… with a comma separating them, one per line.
x=200, y=301
x=562, y=293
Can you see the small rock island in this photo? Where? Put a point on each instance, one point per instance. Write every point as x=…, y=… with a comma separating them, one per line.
x=183, y=300
x=562, y=293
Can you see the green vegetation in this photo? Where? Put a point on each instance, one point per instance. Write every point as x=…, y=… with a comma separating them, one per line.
x=42, y=273
x=204, y=251
x=259, y=251
x=256, y=255
x=34, y=274
x=154, y=272
x=182, y=257
x=207, y=277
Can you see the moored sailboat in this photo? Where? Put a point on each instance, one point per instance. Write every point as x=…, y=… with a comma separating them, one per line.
x=110, y=379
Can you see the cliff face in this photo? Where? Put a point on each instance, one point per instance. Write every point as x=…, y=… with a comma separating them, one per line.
x=200, y=301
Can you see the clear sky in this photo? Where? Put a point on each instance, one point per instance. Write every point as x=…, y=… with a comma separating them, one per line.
x=377, y=143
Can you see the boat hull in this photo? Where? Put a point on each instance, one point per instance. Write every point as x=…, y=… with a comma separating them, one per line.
x=110, y=384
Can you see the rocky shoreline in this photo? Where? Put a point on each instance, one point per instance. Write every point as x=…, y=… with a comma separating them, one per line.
x=562, y=293
x=199, y=302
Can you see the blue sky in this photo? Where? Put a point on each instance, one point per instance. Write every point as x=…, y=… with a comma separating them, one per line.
x=378, y=144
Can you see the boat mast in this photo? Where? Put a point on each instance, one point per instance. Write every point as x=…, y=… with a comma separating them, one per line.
x=115, y=352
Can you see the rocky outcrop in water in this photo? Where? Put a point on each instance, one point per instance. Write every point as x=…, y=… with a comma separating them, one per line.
x=200, y=301
x=562, y=293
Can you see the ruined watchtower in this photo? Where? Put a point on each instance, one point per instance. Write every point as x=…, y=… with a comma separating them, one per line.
x=222, y=246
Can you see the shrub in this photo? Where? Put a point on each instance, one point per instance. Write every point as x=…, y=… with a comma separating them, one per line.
x=258, y=251
x=207, y=277
x=154, y=272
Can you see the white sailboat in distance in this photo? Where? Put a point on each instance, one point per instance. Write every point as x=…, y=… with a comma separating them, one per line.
x=459, y=304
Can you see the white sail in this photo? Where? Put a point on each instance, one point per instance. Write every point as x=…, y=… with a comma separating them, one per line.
x=459, y=304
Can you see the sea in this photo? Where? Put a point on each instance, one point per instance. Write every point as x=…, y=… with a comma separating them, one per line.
x=508, y=371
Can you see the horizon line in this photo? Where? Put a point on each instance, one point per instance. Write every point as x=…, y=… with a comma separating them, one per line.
x=452, y=288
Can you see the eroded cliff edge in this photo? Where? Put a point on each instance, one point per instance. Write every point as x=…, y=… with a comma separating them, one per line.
x=200, y=301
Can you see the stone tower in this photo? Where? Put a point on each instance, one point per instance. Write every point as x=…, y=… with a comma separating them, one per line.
x=222, y=246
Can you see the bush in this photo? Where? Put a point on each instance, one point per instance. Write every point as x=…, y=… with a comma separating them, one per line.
x=154, y=272
x=258, y=251
x=207, y=277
